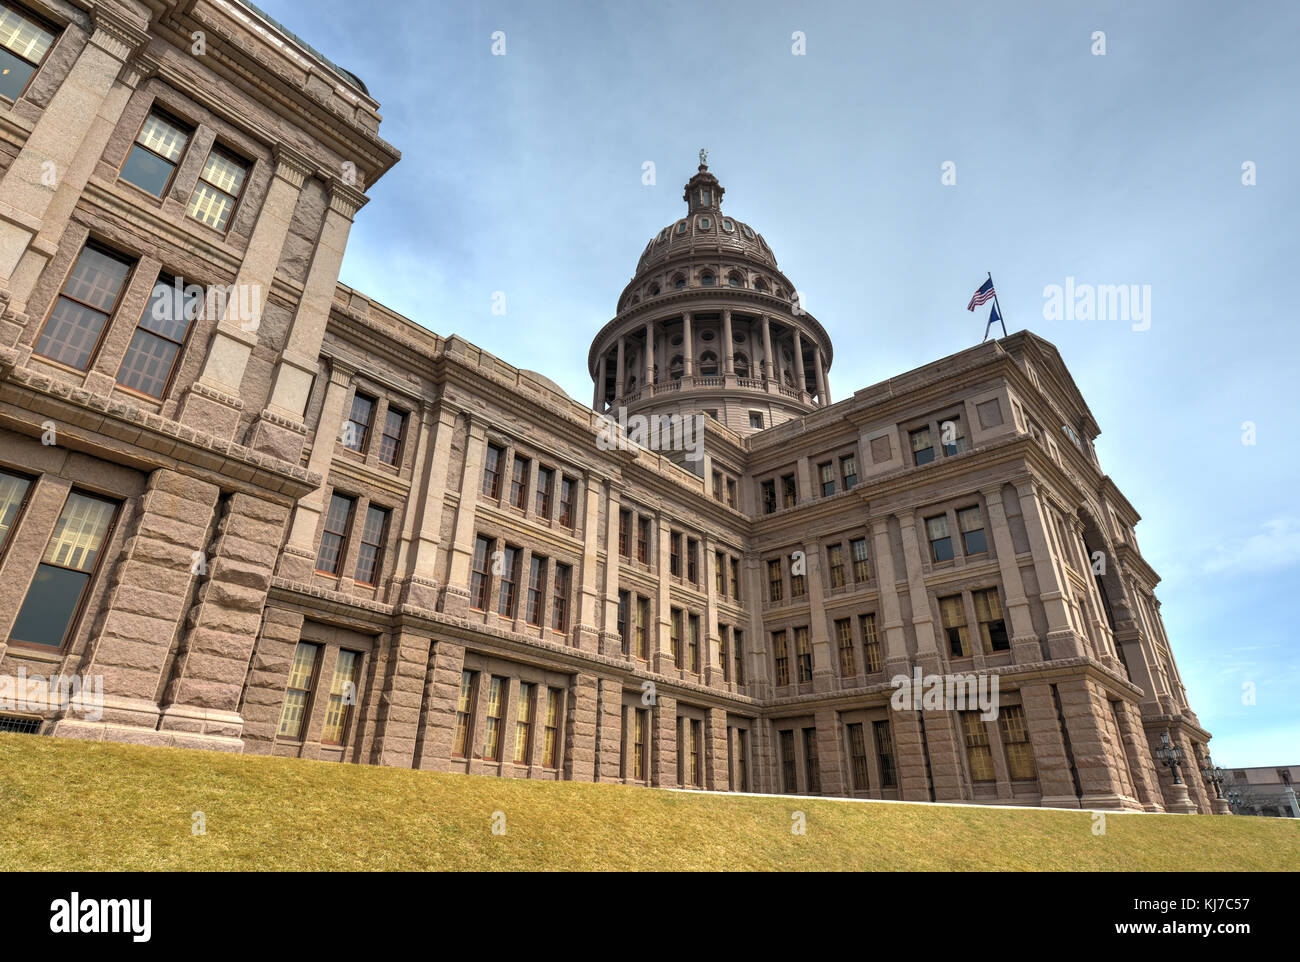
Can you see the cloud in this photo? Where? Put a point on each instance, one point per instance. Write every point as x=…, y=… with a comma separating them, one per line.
x=1272, y=549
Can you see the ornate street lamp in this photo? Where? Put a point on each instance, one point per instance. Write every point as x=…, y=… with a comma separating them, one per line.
x=1213, y=775
x=1171, y=755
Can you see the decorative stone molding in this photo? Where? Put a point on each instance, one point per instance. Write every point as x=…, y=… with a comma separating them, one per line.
x=115, y=34
x=346, y=199
x=212, y=394
x=292, y=166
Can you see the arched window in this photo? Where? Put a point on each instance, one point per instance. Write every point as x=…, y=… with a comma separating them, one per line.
x=654, y=289
x=631, y=384
x=708, y=364
x=761, y=284
x=706, y=279
x=636, y=298
x=733, y=279
x=742, y=364
x=675, y=367
x=679, y=282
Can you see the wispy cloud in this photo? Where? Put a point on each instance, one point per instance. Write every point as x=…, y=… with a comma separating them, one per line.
x=1271, y=549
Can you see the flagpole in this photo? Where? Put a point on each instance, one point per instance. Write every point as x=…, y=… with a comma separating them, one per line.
x=1001, y=316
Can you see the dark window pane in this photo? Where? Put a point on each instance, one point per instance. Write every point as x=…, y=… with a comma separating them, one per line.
x=147, y=171
x=942, y=549
x=51, y=602
x=14, y=74
x=70, y=334
x=976, y=542
x=148, y=364
x=96, y=279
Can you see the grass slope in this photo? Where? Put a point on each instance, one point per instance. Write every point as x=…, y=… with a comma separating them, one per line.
x=68, y=805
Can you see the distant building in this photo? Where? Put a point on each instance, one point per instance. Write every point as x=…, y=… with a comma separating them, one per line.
x=273, y=515
x=1263, y=791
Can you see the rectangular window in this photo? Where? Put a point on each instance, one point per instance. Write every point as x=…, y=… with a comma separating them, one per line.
x=742, y=760
x=568, y=490
x=156, y=154
x=492, y=472
x=769, y=497
x=506, y=594
x=731, y=492
x=720, y=574
x=23, y=46
x=798, y=584
x=464, y=713
x=293, y=716
x=826, y=474
x=735, y=578
x=789, y=491
x=782, y=656
x=1015, y=740
x=343, y=695
x=844, y=635
x=871, y=655
x=545, y=477
x=370, y=556
x=552, y=730
x=218, y=189
x=334, y=539
x=835, y=555
x=697, y=761
x=643, y=540
x=954, y=441
x=977, y=746
x=774, y=580
x=13, y=494
x=495, y=712
x=88, y=299
x=724, y=657
x=479, y=578
x=988, y=613
x=849, y=471
x=674, y=554
x=953, y=614
x=692, y=561
x=810, y=761
x=738, y=652
x=640, y=718
x=803, y=650
x=519, y=482
x=693, y=644
x=623, y=624
x=675, y=635
x=643, y=628
x=861, y=563
x=560, y=608
x=524, y=724
x=922, y=446
x=756, y=420
x=972, y=530
x=717, y=486
x=858, y=753
x=390, y=441
x=789, y=783
x=885, y=753
x=160, y=337
x=536, y=590
x=625, y=533
x=936, y=530
x=357, y=427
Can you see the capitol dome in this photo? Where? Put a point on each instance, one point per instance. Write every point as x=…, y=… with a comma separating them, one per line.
x=709, y=324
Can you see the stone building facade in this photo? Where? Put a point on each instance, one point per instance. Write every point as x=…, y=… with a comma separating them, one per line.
x=272, y=515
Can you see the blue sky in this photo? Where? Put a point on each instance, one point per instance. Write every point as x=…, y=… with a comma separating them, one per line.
x=523, y=174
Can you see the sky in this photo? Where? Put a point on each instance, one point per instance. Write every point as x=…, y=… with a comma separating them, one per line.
x=906, y=152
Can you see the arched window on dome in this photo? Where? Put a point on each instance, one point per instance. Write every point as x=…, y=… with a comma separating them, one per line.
x=742, y=364
x=706, y=279
x=679, y=281
x=636, y=298
x=654, y=289
x=735, y=280
x=761, y=284
x=708, y=364
x=676, y=367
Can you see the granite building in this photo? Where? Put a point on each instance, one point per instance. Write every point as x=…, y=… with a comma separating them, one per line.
x=269, y=514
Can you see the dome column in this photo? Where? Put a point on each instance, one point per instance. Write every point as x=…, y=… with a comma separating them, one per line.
x=728, y=347
x=688, y=354
x=598, y=400
x=620, y=370
x=823, y=397
x=649, y=378
x=800, y=382
x=768, y=371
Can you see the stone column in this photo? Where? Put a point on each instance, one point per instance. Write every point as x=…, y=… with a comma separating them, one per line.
x=580, y=729
x=588, y=618
x=598, y=395
x=688, y=349
x=927, y=652
x=663, y=743
x=769, y=372
x=800, y=383
x=710, y=663
x=620, y=372
x=612, y=560
x=728, y=345
x=299, y=558
x=609, y=730
x=455, y=595
x=213, y=404
x=891, y=624
x=717, y=759
x=279, y=432
x=820, y=371
x=441, y=696
x=415, y=579
x=1062, y=641
x=819, y=637
x=66, y=142
x=400, y=696
x=1025, y=646
x=649, y=354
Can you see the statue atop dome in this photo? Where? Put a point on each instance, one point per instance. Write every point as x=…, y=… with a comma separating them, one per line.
x=704, y=159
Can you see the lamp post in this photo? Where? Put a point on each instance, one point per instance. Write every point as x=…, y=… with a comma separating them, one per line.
x=1171, y=755
x=1213, y=776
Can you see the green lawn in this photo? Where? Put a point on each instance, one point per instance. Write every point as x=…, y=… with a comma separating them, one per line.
x=79, y=806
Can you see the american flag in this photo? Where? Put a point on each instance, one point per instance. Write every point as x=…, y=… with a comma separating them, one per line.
x=983, y=295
